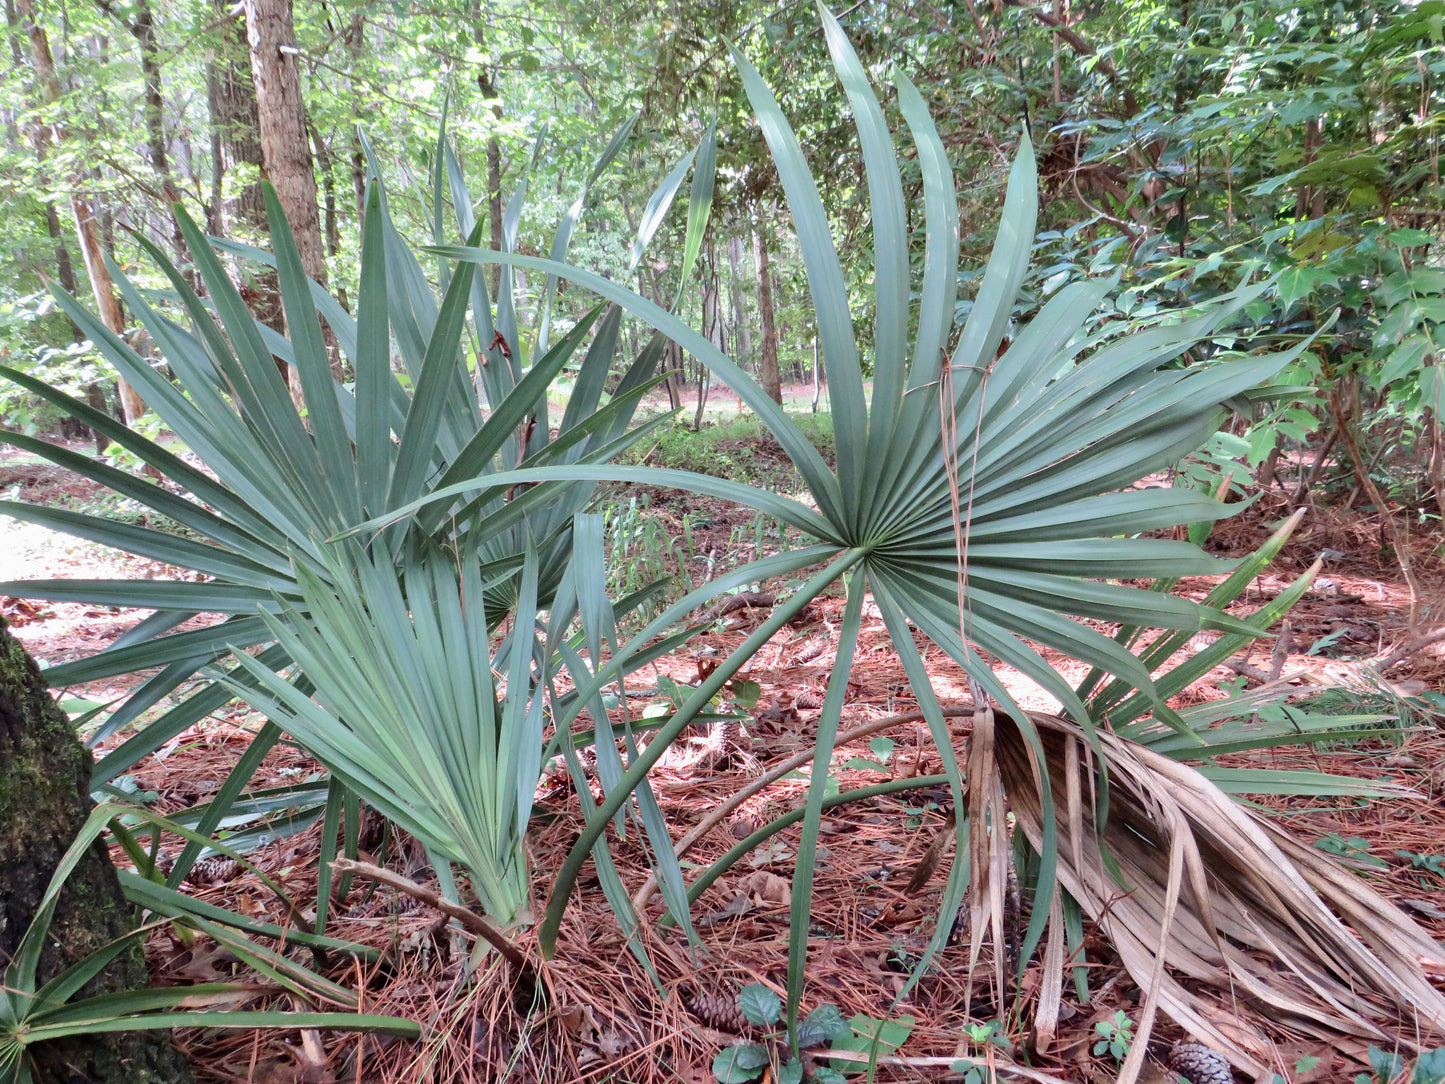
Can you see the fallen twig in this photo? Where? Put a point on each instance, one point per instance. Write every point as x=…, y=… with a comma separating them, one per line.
x=1003, y=1069
x=1401, y=654
x=467, y=917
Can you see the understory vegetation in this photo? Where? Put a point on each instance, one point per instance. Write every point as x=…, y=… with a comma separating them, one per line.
x=570, y=694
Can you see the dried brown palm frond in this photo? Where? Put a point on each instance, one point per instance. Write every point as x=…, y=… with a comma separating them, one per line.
x=1217, y=905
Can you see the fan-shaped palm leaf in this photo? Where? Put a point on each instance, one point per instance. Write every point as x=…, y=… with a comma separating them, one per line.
x=978, y=500
x=277, y=483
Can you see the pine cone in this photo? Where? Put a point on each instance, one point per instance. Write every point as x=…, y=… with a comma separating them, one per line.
x=718, y=1011
x=811, y=650
x=808, y=700
x=729, y=734
x=1199, y=1064
x=215, y=870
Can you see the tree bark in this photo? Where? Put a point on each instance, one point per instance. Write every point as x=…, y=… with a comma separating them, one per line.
x=744, y=343
x=235, y=127
x=285, y=147
x=355, y=43
x=143, y=27
x=236, y=142
x=100, y=281
x=44, y=800
x=487, y=83
x=768, y=368
x=284, y=143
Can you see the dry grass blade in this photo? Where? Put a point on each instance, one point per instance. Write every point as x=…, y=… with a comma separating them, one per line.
x=1216, y=895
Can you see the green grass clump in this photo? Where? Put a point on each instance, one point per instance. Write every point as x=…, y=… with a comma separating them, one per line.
x=740, y=449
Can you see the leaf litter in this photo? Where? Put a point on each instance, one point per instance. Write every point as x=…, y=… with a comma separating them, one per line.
x=604, y=1016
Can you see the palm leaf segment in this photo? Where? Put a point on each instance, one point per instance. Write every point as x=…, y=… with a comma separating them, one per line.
x=1043, y=438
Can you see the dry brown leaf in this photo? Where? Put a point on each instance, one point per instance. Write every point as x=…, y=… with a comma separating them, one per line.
x=767, y=890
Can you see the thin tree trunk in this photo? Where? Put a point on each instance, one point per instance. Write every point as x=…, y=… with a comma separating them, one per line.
x=144, y=29
x=284, y=143
x=44, y=800
x=744, y=344
x=100, y=281
x=770, y=378
x=216, y=207
x=487, y=83
x=355, y=42
x=328, y=190
x=1307, y=200
x=64, y=267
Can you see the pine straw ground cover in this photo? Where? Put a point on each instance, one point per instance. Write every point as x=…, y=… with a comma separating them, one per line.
x=603, y=1018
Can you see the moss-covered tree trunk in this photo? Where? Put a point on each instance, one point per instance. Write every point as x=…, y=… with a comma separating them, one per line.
x=44, y=800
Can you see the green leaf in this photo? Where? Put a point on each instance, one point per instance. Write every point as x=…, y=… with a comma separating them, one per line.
x=875, y=1036
x=823, y=1025
x=801, y=911
x=739, y=1064
x=825, y=283
x=759, y=1004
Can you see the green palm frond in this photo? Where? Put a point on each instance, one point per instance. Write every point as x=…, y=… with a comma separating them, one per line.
x=279, y=478
x=989, y=488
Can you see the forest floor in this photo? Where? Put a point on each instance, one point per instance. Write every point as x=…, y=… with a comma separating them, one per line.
x=603, y=1018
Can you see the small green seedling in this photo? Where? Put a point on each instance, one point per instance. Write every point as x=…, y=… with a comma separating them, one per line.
x=1430, y=863
x=979, y=1037
x=882, y=748
x=1116, y=1035
x=1356, y=848
x=744, y=1062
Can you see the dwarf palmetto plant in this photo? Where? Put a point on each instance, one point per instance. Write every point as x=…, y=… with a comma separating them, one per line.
x=276, y=483
x=417, y=708
x=980, y=492
x=32, y=1012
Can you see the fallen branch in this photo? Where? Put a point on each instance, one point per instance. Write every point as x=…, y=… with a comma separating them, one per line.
x=1002, y=1069
x=1401, y=654
x=469, y=919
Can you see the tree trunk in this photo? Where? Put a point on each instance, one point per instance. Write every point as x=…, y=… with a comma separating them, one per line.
x=100, y=281
x=355, y=42
x=1310, y=201
x=236, y=141
x=744, y=344
x=284, y=143
x=103, y=289
x=768, y=369
x=285, y=147
x=144, y=29
x=234, y=124
x=44, y=800
x=487, y=83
